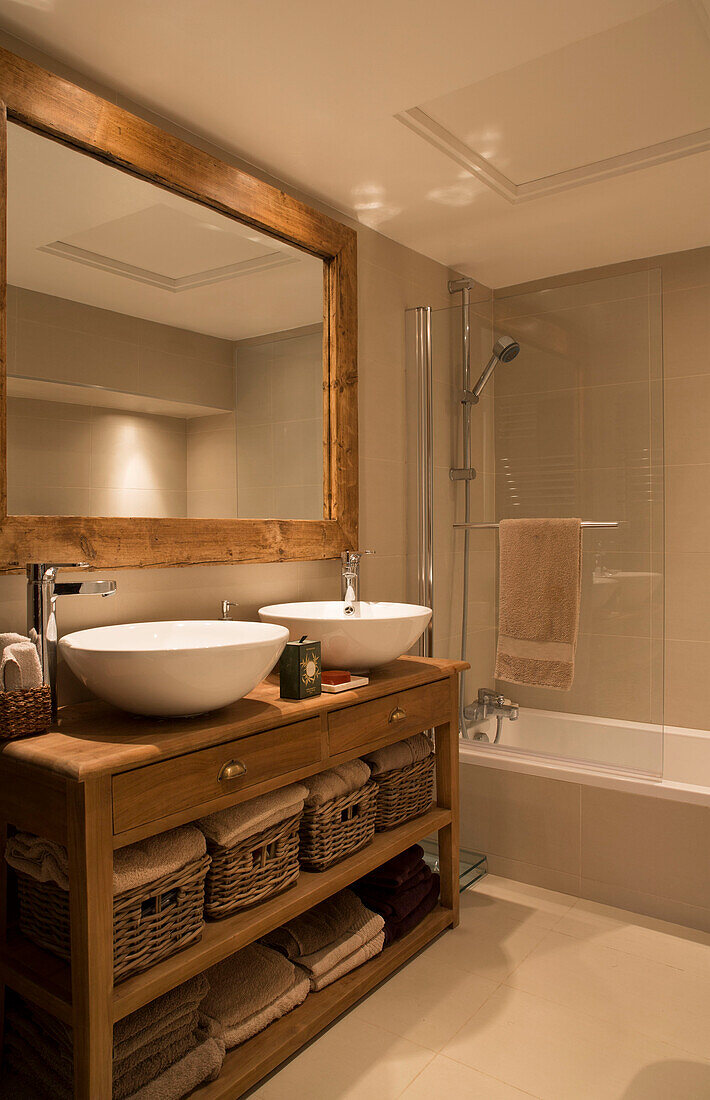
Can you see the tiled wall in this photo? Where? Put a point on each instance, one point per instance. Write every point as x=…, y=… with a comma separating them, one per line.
x=280, y=425
x=578, y=432
x=638, y=852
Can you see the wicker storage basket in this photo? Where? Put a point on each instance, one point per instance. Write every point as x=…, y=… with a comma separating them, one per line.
x=404, y=793
x=149, y=923
x=23, y=713
x=338, y=828
x=252, y=870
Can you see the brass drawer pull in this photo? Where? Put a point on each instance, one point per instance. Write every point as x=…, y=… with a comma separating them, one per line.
x=232, y=770
x=397, y=715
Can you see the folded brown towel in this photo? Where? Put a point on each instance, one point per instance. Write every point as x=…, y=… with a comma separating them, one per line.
x=162, y=1054
x=203, y=1063
x=397, y=870
x=227, y=827
x=399, y=755
x=400, y=903
x=540, y=587
x=322, y=962
x=133, y=866
x=164, y=854
x=239, y=1033
x=141, y=1023
x=357, y=958
x=337, y=782
x=246, y=983
x=395, y=929
x=319, y=927
x=41, y=859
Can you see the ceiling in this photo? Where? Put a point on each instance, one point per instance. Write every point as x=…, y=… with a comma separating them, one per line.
x=510, y=140
x=81, y=229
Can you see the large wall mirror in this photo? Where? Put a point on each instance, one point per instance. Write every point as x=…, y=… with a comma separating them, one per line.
x=162, y=359
x=180, y=380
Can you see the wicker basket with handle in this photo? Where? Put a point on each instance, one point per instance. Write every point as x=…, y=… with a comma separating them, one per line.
x=338, y=828
x=404, y=793
x=252, y=870
x=149, y=923
x=24, y=713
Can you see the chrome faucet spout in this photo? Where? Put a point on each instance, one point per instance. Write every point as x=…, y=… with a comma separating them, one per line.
x=43, y=590
x=350, y=578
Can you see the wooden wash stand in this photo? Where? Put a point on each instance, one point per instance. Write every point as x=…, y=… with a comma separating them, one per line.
x=101, y=779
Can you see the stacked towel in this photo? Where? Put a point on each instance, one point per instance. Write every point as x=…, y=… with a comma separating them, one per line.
x=330, y=940
x=249, y=990
x=20, y=667
x=133, y=866
x=161, y=1052
x=227, y=827
x=399, y=755
x=403, y=891
x=336, y=783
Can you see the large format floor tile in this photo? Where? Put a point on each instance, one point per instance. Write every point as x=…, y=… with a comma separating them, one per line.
x=535, y=994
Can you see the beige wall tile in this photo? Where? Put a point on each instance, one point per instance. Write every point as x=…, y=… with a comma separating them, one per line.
x=212, y=462
x=521, y=817
x=687, y=684
x=686, y=331
x=545, y=877
x=665, y=909
x=687, y=519
x=383, y=505
x=687, y=401
x=159, y=503
x=687, y=596
x=651, y=845
x=129, y=451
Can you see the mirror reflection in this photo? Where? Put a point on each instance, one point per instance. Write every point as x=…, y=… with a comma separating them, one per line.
x=163, y=359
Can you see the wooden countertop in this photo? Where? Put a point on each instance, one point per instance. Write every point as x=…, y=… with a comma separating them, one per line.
x=93, y=738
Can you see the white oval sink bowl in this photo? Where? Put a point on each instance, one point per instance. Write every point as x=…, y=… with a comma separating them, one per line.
x=375, y=634
x=179, y=668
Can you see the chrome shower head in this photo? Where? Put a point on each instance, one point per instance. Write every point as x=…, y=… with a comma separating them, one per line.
x=504, y=350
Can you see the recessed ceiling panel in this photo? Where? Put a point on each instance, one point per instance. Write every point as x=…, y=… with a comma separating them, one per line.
x=631, y=95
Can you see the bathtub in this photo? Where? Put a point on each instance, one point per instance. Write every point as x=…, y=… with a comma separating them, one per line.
x=664, y=761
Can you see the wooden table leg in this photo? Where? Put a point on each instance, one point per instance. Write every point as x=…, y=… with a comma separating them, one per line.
x=91, y=909
x=447, y=787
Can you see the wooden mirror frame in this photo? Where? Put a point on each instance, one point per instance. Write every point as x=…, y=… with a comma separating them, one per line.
x=62, y=110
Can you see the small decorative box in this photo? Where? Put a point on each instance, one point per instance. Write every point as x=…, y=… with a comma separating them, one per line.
x=300, y=669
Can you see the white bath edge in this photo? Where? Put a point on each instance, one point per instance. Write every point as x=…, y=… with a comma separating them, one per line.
x=669, y=787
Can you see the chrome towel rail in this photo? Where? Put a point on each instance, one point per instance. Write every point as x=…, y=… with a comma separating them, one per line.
x=585, y=523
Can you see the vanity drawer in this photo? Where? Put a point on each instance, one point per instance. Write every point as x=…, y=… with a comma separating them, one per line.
x=391, y=718
x=147, y=794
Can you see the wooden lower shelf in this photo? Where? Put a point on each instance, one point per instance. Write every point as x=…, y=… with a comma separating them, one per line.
x=223, y=938
x=247, y=1064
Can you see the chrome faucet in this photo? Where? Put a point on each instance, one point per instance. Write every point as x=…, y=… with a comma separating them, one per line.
x=490, y=703
x=42, y=592
x=227, y=606
x=350, y=578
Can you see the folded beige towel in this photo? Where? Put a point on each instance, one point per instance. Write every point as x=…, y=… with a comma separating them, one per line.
x=320, y=962
x=235, y=1034
x=362, y=955
x=540, y=588
x=228, y=827
x=320, y=927
x=246, y=983
x=399, y=755
x=140, y=1023
x=42, y=859
x=11, y=639
x=160, y=855
x=337, y=782
x=204, y=1063
x=134, y=866
x=20, y=668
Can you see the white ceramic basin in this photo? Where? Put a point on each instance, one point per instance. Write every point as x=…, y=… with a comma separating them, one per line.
x=175, y=668
x=375, y=634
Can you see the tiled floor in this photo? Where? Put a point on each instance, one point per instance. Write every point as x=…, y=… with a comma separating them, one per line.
x=535, y=994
